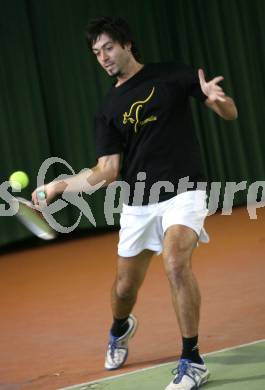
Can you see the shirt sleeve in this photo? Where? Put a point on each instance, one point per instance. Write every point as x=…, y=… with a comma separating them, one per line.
x=108, y=139
x=189, y=80
x=194, y=86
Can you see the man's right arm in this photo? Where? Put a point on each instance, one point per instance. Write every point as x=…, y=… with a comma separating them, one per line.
x=106, y=170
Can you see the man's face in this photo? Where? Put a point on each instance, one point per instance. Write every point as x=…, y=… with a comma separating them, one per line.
x=111, y=55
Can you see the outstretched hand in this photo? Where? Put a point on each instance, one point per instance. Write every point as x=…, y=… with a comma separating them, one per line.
x=48, y=190
x=211, y=88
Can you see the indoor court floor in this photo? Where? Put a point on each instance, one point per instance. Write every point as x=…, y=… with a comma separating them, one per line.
x=55, y=307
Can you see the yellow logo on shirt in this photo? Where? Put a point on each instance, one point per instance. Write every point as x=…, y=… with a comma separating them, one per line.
x=133, y=115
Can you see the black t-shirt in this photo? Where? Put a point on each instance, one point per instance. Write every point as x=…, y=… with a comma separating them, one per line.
x=148, y=120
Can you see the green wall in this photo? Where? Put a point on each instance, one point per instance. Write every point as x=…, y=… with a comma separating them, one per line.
x=50, y=85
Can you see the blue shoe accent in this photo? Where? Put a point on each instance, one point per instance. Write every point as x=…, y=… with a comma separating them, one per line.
x=117, y=351
x=181, y=370
x=188, y=376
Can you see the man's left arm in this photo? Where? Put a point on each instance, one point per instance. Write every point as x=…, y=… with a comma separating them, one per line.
x=217, y=100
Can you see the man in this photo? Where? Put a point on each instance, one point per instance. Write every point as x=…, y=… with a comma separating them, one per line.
x=146, y=119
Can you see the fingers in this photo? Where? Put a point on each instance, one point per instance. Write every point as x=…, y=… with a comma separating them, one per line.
x=220, y=99
x=43, y=195
x=219, y=96
x=39, y=196
x=201, y=76
x=34, y=198
x=217, y=79
x=211, y=88
x=217, y=88
x=217, y=92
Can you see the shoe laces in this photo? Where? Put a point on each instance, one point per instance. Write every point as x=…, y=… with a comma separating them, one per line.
x=184, y=368
x=113, y=346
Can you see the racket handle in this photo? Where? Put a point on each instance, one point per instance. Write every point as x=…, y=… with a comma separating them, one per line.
x=41, y=195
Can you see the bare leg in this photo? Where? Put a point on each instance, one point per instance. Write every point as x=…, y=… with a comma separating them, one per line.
x=129, y=278
x=179, y=243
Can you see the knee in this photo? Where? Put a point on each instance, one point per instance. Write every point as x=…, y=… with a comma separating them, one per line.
x=125, y=289
x=177, y=273
x=180, y=248
x=177, y=255
x=178, y=264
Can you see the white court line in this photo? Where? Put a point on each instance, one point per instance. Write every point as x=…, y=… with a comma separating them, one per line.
x=157, y=366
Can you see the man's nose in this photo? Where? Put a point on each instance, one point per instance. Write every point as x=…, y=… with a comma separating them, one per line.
x=104, y=56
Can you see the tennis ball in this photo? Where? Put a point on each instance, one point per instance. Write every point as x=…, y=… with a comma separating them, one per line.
x=19, y=180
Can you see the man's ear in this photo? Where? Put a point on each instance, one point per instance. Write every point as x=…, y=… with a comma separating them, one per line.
x=128, y=46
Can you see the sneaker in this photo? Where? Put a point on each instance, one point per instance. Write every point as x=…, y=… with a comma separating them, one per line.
x=117, y=351
x=188, y=376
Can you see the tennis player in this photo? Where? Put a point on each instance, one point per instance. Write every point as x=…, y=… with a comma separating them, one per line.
x=144, y=130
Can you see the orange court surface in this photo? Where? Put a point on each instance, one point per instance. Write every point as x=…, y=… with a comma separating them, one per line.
x=55, y=304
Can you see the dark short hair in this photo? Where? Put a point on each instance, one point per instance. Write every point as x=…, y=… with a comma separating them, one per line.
x=117, y=28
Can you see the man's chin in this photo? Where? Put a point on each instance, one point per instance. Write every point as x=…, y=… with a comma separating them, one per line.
x=113, y=73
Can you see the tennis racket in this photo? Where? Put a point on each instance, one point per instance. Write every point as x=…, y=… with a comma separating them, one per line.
x=33, y=219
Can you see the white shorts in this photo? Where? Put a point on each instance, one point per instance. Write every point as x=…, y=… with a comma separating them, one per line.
x=143, y=227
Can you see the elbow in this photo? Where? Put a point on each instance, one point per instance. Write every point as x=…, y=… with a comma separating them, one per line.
x=112, y=176
x=111, y=173
x=109, y=167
